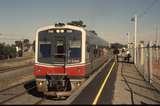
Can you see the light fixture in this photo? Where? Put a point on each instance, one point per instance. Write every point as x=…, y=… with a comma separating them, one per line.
x=57, y=31
x=62, y=31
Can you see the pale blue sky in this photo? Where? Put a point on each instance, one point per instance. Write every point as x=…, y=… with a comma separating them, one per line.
x=110, y=18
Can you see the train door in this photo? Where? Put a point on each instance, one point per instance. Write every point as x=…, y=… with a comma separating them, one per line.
x=60, y=49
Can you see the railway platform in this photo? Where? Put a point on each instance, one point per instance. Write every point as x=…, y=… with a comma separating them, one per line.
x=131, y=88
x=124, y=85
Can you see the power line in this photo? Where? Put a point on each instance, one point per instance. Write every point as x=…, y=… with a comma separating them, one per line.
x=148, y=8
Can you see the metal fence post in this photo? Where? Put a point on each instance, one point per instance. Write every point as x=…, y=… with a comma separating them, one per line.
x=146, y=65
x=157, y=54
x=142, y=57
x=150, y=63
x=139, y=56
x=148, y=75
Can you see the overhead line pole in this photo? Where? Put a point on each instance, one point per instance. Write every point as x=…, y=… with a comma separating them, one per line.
x=134, y=19
x=135, y=39
x=128, y=35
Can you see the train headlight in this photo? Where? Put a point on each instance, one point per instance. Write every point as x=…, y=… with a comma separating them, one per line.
x=62, y=31
x=57, y=31
x=78, y=84
x=40, y=83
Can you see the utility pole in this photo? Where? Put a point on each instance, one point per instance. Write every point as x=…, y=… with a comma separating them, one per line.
x=128, y=34
x=157, y=39
x=135, y=39
x=157, y=44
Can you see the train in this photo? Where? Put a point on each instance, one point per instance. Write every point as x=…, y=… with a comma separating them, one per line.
x=66, y=55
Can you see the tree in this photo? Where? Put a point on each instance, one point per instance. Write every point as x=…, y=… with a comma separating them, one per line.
x=117, y=45
x=26, y=44
x=7, y=51
x=142, y=42
x=2, y=45
x=19, y=44
x=12, y=51
x=33, y=46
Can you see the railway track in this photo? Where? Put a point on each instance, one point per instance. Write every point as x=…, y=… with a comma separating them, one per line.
x=2, y=92
x=13, y=96
x=14, y=68
x=40, y=101
x=16, y=59
x=4, y=69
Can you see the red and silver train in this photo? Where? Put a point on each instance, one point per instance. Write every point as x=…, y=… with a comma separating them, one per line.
x=65, y=55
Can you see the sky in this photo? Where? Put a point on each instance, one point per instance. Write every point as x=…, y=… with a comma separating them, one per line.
x=111, y=19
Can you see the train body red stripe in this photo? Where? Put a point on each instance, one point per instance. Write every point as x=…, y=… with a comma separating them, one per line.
x=76, y=71
x=69, y=70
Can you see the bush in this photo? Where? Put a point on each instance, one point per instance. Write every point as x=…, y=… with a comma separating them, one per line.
x=7, y=51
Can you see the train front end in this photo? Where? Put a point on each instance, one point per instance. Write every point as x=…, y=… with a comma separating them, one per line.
x=59, y=57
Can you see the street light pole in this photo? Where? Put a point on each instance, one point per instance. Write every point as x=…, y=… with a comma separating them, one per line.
x=135, y=39
x=128, y=34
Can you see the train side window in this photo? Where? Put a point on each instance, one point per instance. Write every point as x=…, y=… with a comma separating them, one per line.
x=87, y=51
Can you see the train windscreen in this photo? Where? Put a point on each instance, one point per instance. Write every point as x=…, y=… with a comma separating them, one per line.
x=59, y=46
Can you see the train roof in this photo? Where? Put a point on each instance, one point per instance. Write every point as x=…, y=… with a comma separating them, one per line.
x=60, y=26
x=93, y=37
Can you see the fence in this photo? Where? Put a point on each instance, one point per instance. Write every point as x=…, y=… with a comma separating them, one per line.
x=148, y=63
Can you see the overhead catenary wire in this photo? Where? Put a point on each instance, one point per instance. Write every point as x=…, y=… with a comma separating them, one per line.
x=144, y=12
x=148, y=9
